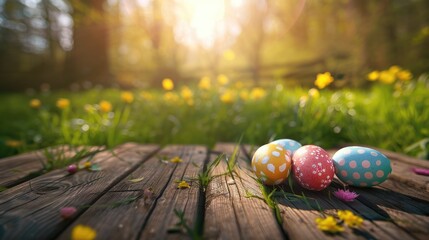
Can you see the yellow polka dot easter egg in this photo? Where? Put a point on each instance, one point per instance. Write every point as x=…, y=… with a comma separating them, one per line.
x=271, y=164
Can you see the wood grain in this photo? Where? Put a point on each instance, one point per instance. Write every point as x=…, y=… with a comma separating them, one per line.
x=118, y=208
x=31, y=210
x=229, y=213
x=147, y=217
x=17, y=169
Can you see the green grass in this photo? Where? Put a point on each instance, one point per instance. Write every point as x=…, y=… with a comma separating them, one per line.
x=380, y=116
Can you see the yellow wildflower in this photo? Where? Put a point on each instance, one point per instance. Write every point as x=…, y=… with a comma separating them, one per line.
x=323, y=80
x=349, y=218
x=227, y=97
x=328, y=224
x=257, y=93
x=105, y=106
x=373, y=76
x=313, y=93
x=387, y=77
x=13, y=143
x=186, y=93
x=146, y=95
x=404, y=75
x=394, y=69
x=171, y=97
x=127, y=97
x=176, y=160
x=222, y=79
x=204, y=83
x=229, y=55
x=183, y=184
x=63, y=103
x=82, y=232
x=35, y=103
x=167, y=84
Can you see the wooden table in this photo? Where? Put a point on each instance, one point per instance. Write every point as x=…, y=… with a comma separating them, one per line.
x=149, y=207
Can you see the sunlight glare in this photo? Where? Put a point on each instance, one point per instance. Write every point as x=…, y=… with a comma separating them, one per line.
x=205, y=21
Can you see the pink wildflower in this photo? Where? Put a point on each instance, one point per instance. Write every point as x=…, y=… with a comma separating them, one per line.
x=67, y=212
x=421, y=171
x=345, y=195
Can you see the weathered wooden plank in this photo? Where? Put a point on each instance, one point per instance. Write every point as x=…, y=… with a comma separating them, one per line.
x=407, y=214
x=299, y=213
x=151, y=217
x=229, y=213
x=31, y=210
x=404, y=189
x=163, y=219
x=377, y=223
x=389, y=198
x=17, y=169
x=402, y=172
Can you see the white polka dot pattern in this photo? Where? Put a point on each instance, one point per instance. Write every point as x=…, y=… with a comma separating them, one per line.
x=271, y=164
x=312, y=167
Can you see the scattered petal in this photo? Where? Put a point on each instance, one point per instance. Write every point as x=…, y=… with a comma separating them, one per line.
x=82, y=232
x=95, y=167
x=148, y=194
x=183, y=184
x=87, y=165
x=67, y=212
x=345, y=195
x=421, y=171
x=176, y=160
x=136, y=180
x=72, y=168
x=328, y=224
x=349, y=218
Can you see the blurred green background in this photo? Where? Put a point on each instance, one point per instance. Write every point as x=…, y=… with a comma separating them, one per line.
x=129, y=43
x=94, y=72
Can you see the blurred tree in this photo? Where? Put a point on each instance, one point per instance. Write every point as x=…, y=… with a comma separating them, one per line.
x=30, y=42
x=144, y=47
x=88, y=60
x=253, y=24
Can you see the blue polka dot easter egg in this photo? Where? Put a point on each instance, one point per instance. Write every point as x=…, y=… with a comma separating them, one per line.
x=290, y=145
x=361, y=166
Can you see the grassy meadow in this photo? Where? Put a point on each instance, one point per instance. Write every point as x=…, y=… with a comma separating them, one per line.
x=388, y=114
